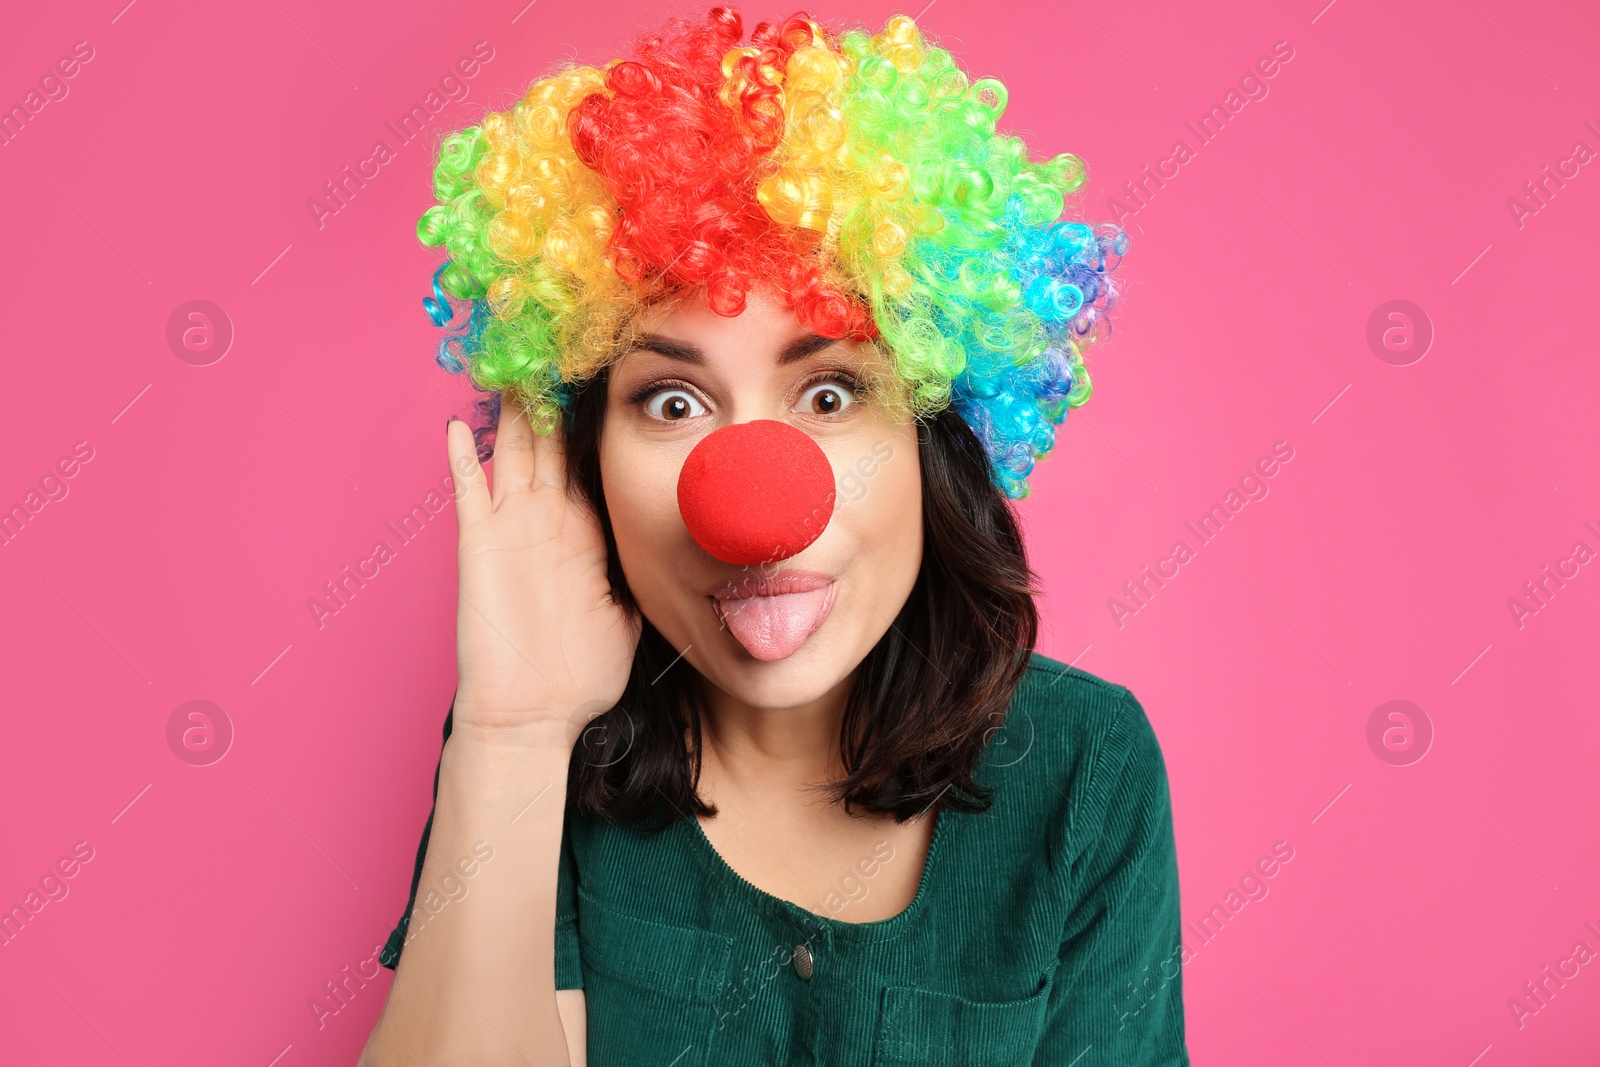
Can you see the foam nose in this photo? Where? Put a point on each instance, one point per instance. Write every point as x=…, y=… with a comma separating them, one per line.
x=756, y=492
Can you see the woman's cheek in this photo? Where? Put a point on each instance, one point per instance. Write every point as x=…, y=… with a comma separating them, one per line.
x=903, y=509
x=640, y=475
x=879, y=497
x=640, y=478
x=628, y=490
x=866, y=458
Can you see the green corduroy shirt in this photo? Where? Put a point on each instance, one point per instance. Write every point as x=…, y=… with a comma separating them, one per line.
x=1044, y=931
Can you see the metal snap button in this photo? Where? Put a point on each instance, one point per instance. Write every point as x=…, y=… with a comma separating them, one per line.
x=802, y=962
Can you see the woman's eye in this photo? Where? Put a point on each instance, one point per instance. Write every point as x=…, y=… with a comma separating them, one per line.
x=671, y=405
x=826, y=398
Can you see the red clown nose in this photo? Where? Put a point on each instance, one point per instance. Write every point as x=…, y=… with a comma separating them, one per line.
x=756, y=492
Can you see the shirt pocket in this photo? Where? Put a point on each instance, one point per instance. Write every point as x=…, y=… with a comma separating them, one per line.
x=651, y=989
x=923, y=1027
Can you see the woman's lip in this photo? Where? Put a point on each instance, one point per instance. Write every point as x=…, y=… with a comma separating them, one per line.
x=787, y=580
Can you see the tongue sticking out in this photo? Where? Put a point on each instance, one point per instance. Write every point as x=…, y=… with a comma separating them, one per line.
x=774, y=627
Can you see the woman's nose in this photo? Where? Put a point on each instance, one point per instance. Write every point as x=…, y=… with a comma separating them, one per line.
x=756, y=492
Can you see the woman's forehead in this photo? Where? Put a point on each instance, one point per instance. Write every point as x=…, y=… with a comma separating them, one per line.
x=766, y=331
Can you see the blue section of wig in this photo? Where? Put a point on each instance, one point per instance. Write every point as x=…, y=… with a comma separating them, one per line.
x=1021, y=377
x=462, y=342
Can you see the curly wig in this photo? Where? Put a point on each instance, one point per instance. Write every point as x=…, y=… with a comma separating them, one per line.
x=861, y=176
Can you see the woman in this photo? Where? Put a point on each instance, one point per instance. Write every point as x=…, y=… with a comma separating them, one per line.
x=779, y=327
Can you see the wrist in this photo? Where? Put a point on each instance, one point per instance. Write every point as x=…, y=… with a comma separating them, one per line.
x=495, y=718
x=533, y=737
x=487, y=769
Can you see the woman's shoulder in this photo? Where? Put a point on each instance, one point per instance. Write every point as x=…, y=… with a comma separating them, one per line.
x=1079, y=711
x=1073, y=743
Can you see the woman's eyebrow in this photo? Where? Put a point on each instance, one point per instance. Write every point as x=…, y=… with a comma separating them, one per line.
x=684, y=352
x=678, y=350
x=802, y=347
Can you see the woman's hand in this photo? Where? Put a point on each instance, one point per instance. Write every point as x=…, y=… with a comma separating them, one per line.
x=539, y=641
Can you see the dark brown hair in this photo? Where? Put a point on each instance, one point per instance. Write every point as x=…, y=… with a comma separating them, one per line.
x=924, y=701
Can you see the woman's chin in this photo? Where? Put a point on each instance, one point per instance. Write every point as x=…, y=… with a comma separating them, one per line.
x=804, y=676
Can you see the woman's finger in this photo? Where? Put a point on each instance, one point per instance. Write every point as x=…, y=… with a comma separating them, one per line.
x=466, y=475
x=513, y=451
x=550, y=458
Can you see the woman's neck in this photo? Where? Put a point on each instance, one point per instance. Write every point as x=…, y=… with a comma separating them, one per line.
x=754, y=750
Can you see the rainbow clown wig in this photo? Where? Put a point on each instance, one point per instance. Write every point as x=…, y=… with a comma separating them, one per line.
x=860, y=175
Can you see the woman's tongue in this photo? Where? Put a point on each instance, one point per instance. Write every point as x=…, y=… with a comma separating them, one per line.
x=774, y=627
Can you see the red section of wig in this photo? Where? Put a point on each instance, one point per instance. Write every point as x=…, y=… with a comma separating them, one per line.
x=683, y=167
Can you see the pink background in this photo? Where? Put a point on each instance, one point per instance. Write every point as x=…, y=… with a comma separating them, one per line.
x=1418, y=502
